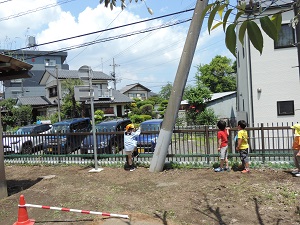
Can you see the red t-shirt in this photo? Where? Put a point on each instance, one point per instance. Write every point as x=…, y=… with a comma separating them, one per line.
x=222, y=134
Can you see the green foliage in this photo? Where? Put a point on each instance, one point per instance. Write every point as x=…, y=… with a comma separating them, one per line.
x=219, y=75
x=23, y=114
x=270, y=26
x=206, y=117
x=99, y=115
x=197, y=96
x=165, y=91
x=70, y=107
x=147, y=109
x=139, y=118
x=155, y=99
x=139, y=104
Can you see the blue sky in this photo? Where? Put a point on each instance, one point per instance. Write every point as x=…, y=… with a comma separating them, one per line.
x=149, y=58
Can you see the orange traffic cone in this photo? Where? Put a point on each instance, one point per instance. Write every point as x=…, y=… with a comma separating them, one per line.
x=22, y=214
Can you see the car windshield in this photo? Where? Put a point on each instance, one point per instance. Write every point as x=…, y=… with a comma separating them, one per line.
x=106, y=127
x=150, y=127
x=60, y=128
x=24, y=130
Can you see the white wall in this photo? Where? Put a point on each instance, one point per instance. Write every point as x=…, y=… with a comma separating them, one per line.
x=274, y=74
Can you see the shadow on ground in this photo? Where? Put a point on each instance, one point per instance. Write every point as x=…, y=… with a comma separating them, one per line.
x=16, y=186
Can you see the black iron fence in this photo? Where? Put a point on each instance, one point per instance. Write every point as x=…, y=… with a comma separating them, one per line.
x=197, y=144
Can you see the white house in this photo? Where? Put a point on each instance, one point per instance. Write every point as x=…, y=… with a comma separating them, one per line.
x=269, y=84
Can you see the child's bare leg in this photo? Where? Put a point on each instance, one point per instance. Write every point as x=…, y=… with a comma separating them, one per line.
x=130, y=160
x=226, y=163
x=221, y=163
x=246, y=165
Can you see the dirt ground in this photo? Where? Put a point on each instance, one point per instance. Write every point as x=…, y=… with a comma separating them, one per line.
x=171, y=197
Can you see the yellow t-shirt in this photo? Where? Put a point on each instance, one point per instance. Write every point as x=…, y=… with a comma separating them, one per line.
x=244, y=136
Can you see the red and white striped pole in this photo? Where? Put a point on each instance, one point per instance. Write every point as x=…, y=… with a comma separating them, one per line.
x=75, y=210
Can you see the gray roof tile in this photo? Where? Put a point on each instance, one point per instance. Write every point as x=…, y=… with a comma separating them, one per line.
x=38, y=100
x=73, y=74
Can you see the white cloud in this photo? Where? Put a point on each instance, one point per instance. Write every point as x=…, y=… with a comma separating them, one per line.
x=150, y=59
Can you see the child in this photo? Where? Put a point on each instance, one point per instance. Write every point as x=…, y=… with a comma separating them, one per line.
x=242, y=146
x=130, y=144
x=223, y=145
x=296, y=147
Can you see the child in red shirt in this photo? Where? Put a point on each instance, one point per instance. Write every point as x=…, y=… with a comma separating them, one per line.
x=222, y=145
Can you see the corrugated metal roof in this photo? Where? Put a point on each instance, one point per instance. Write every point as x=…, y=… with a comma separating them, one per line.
x=221, y=95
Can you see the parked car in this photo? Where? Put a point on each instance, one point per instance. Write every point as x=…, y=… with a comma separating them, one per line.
x=26, y=139
x=107, y=140
x=66, y=135
x=146, y=141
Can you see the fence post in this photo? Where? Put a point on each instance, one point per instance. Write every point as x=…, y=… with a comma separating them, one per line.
x=262, y=142
x=207, y=144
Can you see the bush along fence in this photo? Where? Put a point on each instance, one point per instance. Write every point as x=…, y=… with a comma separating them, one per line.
x=195, y=145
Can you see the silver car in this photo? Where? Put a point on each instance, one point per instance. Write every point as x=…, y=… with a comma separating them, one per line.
x=26, y=139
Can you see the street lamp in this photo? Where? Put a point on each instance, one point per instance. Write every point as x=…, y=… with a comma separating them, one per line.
x=85, y=73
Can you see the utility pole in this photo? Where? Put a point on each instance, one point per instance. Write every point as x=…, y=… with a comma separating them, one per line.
x=57, y=91
x=165, y=134
x=114, y=74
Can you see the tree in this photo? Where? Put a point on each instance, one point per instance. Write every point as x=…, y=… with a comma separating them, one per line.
x=99, y=115
x=15, y=114
x=197, y=98
x=70, y=107
x=165, y=91
x=219, y=75
x=23, y=114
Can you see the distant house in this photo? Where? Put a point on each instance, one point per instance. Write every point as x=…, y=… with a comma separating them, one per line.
x=40, y=61
x=39, y=105
x=269, y=83
x=137, y=91
x=110, y=101
x=224, y=106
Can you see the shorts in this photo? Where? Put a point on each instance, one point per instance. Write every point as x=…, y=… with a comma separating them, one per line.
x=223, y=152
x=244, y=155
x=128, y=152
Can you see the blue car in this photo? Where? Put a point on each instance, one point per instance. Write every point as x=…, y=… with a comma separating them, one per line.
x=149, y=133
x=66, y=136
x=109, y=137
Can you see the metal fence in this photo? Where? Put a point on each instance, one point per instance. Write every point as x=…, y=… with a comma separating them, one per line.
x=189, y=144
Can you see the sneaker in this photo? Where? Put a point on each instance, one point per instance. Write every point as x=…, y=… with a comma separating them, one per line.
x=132, y=169
x=227, y=169
x=246, y=171
x=295, y=172
x=297, y=175
x=219, y=169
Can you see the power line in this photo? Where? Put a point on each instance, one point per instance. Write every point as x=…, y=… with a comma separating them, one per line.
x=105, y=39
x=99, y=31
x=34, y=10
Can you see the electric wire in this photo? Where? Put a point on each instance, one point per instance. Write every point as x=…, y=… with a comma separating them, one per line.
x=110, y=38
x=35, y=10
x=99, y=31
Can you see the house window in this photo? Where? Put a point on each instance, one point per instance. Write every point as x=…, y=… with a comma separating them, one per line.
x=52, y=92
x=286, y=37
x=50, y=62
x=285, y=108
